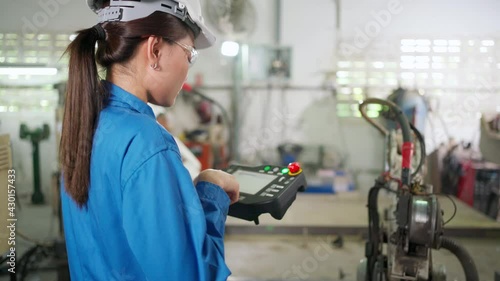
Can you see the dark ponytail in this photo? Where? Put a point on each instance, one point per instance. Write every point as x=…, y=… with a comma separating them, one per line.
x=86, y=96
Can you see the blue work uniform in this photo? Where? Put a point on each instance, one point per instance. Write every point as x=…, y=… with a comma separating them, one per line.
x=144, y=219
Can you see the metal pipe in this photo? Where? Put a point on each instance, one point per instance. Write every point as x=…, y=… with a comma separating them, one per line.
x=278, y=23
x=235, y=100
x=324, y=88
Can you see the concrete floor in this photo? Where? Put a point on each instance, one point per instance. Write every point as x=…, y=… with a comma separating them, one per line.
x=290, y=257
x=348, y=210
x=313, y=257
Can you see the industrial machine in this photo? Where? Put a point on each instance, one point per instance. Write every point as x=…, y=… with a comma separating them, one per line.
x=204, y=153
x=415, y=224
x=412, y=104
x=266, y=189
x=35, y=136
x=490, y=139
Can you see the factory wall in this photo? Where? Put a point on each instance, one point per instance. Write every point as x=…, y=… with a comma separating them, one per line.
x=456, y=110
x=304, y=112
x=425, y=17
x=309, y=28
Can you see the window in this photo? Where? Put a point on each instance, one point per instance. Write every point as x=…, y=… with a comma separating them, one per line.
x=435, y=64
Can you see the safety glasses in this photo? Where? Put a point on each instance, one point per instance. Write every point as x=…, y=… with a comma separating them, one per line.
x=192, y=52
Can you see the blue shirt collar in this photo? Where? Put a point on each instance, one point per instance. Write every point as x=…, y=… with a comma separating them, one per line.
x=121, y=98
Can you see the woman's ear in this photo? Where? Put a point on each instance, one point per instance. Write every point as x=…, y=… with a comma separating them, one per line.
x=153, y=49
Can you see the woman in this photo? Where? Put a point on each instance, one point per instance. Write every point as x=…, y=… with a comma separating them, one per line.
x=131, y=211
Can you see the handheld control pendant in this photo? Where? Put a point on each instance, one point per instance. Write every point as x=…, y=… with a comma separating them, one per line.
x=266, y=189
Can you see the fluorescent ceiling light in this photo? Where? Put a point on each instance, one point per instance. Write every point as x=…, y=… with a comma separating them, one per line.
x=230, y=48
x=12, y=71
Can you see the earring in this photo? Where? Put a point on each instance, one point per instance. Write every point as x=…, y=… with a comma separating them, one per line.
x=154, y=66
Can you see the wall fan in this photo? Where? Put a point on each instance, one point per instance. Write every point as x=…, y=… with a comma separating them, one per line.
x=236, y=18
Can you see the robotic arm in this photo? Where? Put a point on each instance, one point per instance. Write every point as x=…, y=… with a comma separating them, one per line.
x=414, y=226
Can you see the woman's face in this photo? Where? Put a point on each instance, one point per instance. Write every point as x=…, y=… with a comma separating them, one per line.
x=164, y=83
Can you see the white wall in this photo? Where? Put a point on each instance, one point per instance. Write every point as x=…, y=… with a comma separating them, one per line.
x=309, y=28
x=377, y=20
x=217, y=69
x=457, y=115
x=45, y=15
x=424, y=17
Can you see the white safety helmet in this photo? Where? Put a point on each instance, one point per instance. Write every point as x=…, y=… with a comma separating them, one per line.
x=189, y=11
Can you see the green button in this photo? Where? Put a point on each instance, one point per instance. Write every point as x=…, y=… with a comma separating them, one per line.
x=267, y=168
x=285, y=171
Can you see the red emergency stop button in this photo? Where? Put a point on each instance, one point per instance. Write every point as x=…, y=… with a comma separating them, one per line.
x=294, y=169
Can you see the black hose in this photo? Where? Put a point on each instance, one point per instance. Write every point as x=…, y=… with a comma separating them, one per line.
x=400, y=118
x=463, y=256
x=397, y=115
x=372, y=250
x=24, y=261
x=421, y=140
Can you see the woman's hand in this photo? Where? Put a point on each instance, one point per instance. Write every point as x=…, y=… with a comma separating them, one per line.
x=226, y=181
